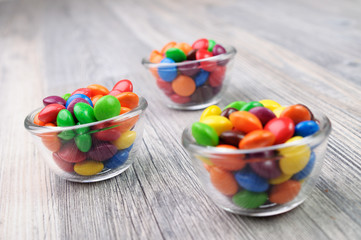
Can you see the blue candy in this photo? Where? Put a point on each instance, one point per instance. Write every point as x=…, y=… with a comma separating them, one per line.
x=78, y=95
x=306, y=128
x=118, y=159
x=251, y=181
x=307, y=170
x=201, y=77
x=167, y=73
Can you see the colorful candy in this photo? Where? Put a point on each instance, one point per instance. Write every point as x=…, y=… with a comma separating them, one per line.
x=192, y=82
x=86, y=151
x=260, y=176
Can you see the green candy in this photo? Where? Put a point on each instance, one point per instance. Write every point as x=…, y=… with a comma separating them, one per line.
x=248, y=106
x=211, y=44
x=176, y=54
x=237, y=105
x=82, y=130
x=204, y=134
x=83, y=142
x=67, y=135
x=65, y=118
x=84, y=113
x=106, y=107
x=248, y=199
x=66, y=96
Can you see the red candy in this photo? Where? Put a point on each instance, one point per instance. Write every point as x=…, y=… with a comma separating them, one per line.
x=282, y=128
x=123, y=86
x=50, y=112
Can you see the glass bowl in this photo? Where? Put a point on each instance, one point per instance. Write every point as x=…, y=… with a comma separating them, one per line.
x=114, y=142
x=195, y=84
x=228, y=175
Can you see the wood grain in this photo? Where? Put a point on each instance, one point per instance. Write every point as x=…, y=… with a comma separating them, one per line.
x=290, y=51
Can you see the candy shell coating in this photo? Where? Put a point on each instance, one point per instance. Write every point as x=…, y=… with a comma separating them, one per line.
x=251, y=181
x=125, y=140
x=88, y=167
x=117, y=160
x=106, y=107
x=204, y=134
x=249, y=200
x=223, y=181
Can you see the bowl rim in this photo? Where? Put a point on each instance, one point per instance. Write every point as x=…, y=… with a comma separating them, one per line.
x=325, y=129
x=231, y=52
x=36, y=129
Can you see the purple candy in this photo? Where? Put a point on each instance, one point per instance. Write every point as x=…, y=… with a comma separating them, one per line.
x=263, y=114
x=265, y=164
x=218, y=49
x=202, y=94
x=53, y=99
x=189, y=69
x=75, y=101
x=102, y=151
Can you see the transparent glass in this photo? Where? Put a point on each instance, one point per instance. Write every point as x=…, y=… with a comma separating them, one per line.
x=210, y=87
x=115, y=143
x=204, y=158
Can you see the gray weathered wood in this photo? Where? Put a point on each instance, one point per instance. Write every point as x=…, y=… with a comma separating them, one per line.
x=290, y=51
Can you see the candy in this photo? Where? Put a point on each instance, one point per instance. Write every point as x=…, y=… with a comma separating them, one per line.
x=297, y=113
x=218, y=49
x=88, y=168
x=204, y=134
x=183, y=86
x=306, y=128
x=50, y=112
x=282, y=128
x=285, y=192
x=245, y=121
x=218, y=123
x=106, y=107
x=248, y=199
x=102, y=151
x=248, y=106
x=86, y=151
x=263, y=114
x=167, y=73
x=262, y=176
x=54, y=99
x=118, y=159
x=177, y=67
x=257, y=139
x=176, y=54
x=125, y=140
x=251, y=181
x=231, y=137
x=210, y=111
x=78, y=95
x=223, y=181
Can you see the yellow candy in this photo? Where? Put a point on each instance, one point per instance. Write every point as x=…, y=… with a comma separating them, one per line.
x=294, y=158
x=270, y=104
x=205, y=160
x=278, y=111
x=210, y=111
x=125, y=140
x=280, y=179
x=218, y=123
x=88, y=167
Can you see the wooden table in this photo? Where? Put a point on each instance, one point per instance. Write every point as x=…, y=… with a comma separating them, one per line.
x=289, y=51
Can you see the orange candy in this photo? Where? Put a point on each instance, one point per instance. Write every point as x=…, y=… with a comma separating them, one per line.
x=285, y=192
x=155, y=56
x=245, y=121
x=230, y=162
x=185, y=47
x=297, y=113
x=128, y=99
x=223, y=181
x=51, y=141
x=124, y=110
x=167, y=46
x=256, y=139
x=96, y=98
x=97, y=89
x=37, y=121
x=183, y=85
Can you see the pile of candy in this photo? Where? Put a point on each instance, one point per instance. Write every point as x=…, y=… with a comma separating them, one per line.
x=263, y=177
x=88, y=150
x=192, y=81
